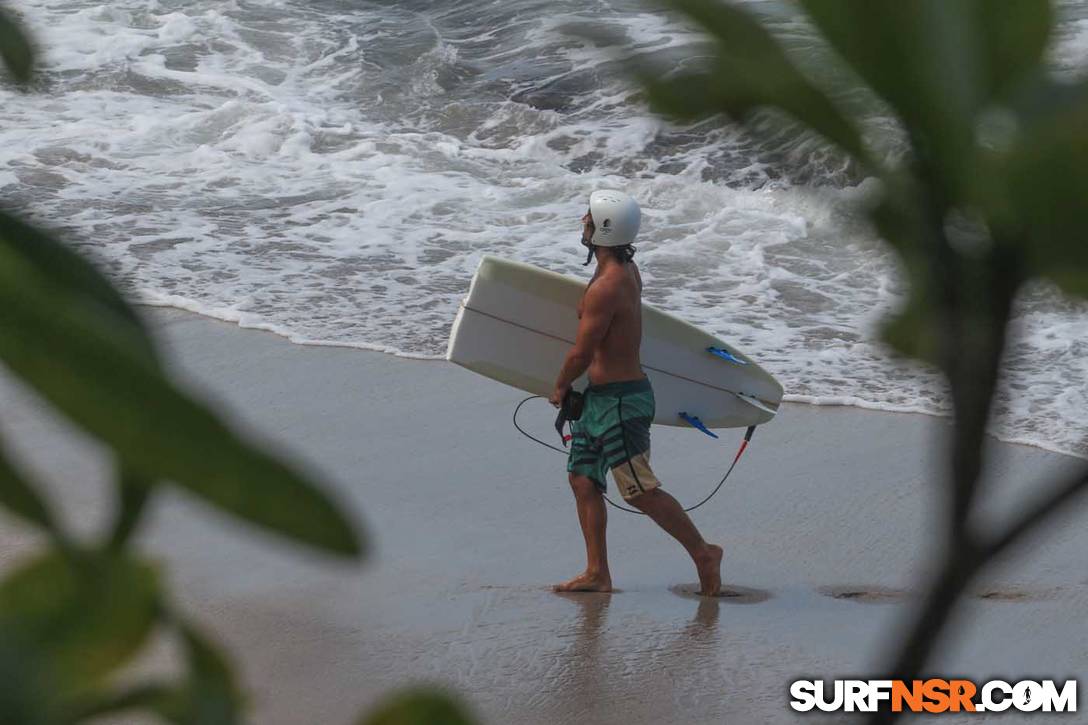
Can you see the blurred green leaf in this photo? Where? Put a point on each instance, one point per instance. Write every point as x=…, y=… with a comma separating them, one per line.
x=21, y=498
x=79, y=620
x=29, y=693
x=133, y=491
x=70, y=272
x=211, y=681
x=209, y=695
x=911, y=330
x=924, y=58
x=15, y=48
x=691, y=95
x=1048, y=182
x=419, y=706
x=751, y=71
x=149, y=697
x=206, y=695
x=84, y=363
x=1014, y=34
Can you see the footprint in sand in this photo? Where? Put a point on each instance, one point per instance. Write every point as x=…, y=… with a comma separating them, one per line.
x=543, y=588
x=865, y=594
x=1014, y=594
x=731, y=594
x=885, y=595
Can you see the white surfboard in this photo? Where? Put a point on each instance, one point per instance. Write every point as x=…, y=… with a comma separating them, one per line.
x=519, y=321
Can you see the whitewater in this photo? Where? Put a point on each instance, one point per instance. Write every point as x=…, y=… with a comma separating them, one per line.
x=333, y=171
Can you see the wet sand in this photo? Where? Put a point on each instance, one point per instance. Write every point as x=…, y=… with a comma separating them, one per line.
x=826, y=524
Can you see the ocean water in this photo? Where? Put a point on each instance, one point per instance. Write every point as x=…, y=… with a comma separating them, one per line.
x=333, y=171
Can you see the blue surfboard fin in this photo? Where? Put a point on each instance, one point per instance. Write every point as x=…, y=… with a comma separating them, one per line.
x=726, y=355
x=694, y=422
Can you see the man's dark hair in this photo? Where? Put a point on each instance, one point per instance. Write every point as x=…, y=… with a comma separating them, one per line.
x=623, y=254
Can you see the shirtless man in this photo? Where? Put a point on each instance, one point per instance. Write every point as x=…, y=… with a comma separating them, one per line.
x=614, y=430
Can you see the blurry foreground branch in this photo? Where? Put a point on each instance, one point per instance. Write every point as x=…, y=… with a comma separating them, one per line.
x=76, y=613
x=990, y=194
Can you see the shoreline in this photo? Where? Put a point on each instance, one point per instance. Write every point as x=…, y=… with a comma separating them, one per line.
x=811, y=400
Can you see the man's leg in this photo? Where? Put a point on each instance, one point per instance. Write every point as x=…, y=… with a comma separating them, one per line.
x=670, y=515
x=593, y=517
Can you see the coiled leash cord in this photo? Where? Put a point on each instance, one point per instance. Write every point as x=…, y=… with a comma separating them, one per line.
x=623, y=433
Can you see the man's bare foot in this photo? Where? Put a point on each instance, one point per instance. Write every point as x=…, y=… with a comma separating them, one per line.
x=709, y=565
x=586, y=582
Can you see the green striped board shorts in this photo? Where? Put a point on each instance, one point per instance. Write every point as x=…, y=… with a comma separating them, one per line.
x=613, y=434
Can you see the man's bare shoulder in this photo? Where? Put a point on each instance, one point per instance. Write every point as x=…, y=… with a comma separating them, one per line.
x=605, y=291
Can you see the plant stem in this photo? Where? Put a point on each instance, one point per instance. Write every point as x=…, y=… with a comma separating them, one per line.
x=961, y=567
x=133, y=493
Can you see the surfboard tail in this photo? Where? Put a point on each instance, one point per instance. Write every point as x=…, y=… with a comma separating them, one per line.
x=453, y=332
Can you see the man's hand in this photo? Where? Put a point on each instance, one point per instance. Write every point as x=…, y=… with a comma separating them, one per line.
x=560, y=392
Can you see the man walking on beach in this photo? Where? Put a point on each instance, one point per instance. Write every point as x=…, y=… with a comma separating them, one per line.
x=613, y=432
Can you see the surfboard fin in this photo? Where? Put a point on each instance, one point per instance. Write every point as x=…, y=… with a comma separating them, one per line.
x=726, y=355
x=694, y=422
x=756, y=403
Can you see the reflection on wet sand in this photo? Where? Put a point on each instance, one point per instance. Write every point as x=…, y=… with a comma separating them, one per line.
x=636, y=663
x=581, y=674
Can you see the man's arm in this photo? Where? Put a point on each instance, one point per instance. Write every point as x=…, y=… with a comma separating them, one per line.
x=598, y=311
x=582, y=301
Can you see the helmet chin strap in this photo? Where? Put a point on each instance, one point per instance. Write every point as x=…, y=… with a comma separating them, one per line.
x=590, y=247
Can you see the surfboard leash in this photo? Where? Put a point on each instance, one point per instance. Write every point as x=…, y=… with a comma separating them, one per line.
x=743, y=446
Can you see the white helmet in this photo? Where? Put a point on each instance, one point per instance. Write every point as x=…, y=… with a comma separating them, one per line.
x=615, y=218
